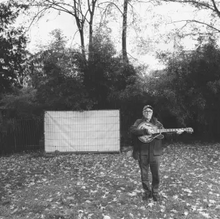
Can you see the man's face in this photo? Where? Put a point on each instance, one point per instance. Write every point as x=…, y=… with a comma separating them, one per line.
x=147, y=113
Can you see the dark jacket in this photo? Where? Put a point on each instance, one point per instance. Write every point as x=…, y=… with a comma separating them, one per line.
x=154, y=147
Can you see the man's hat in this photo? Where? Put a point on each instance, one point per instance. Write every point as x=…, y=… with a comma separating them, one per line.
x=147, y=107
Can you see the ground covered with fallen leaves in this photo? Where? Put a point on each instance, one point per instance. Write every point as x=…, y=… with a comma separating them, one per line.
x=107, y=186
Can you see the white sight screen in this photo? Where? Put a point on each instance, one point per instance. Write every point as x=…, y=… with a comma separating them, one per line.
x=87, y=131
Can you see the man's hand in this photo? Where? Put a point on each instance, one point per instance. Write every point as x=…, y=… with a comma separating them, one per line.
x=150, y=131
x=179, y=131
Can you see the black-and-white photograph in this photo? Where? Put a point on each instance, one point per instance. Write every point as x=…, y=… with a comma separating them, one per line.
x=109, y=109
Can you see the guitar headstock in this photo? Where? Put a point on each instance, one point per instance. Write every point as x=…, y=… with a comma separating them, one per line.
x=189, y=130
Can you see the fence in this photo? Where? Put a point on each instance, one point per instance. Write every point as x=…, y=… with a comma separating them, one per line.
x=64, y=131
x=20, y=135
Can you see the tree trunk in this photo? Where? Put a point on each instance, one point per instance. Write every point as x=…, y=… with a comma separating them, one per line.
x=124, y=32
x=80, y=21
x=91, y=9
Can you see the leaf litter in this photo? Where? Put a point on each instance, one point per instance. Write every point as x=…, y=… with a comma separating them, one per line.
x=69, y=186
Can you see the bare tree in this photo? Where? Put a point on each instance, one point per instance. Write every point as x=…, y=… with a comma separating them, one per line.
x=82, y=10
x=211, y=6
x=123, y=11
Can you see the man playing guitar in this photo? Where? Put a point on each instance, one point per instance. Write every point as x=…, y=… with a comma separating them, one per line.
x=147, y=149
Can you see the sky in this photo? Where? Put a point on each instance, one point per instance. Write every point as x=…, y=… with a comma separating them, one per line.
x=140, y=51
x=39, y=32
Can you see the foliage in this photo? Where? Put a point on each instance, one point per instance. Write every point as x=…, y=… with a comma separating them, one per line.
x=12, y=46
x=185, y=93
x=105, y=75
x=101, y=186
x=54, y=74
x=98, y=68
x=55, y=53
x=63, y=80
x=21, y=120
x=62, y=93
x=22, y=103
x=191, y=89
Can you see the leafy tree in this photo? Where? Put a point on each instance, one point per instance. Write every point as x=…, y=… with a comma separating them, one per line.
x=59, y=92
x=22, y=103
x=191, y=88
x=12, y=47
x=54, y=74
x=107, y=73
x=63, y=77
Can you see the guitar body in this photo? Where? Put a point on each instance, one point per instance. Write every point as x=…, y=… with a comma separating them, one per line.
x=157, y=132
x=150, y=127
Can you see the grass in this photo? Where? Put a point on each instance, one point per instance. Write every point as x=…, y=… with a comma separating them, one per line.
x=108, y=186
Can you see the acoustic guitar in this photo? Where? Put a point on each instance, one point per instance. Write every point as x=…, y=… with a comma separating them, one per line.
x=157, y=133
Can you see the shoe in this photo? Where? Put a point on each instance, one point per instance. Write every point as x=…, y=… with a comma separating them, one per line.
x=156, y=197
x=146, y=196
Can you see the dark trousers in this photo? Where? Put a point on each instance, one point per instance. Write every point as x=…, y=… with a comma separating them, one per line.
x=146, y=164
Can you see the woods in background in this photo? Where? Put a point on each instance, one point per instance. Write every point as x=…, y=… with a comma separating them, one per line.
x=185, y=93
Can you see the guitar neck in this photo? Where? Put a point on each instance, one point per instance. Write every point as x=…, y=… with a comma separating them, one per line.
x=169, y=130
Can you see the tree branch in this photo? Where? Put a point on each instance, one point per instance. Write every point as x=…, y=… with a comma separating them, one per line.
x=216, y=8
x=193, y=2
x=36, y=17
x=199, y=22
x=112, y=3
